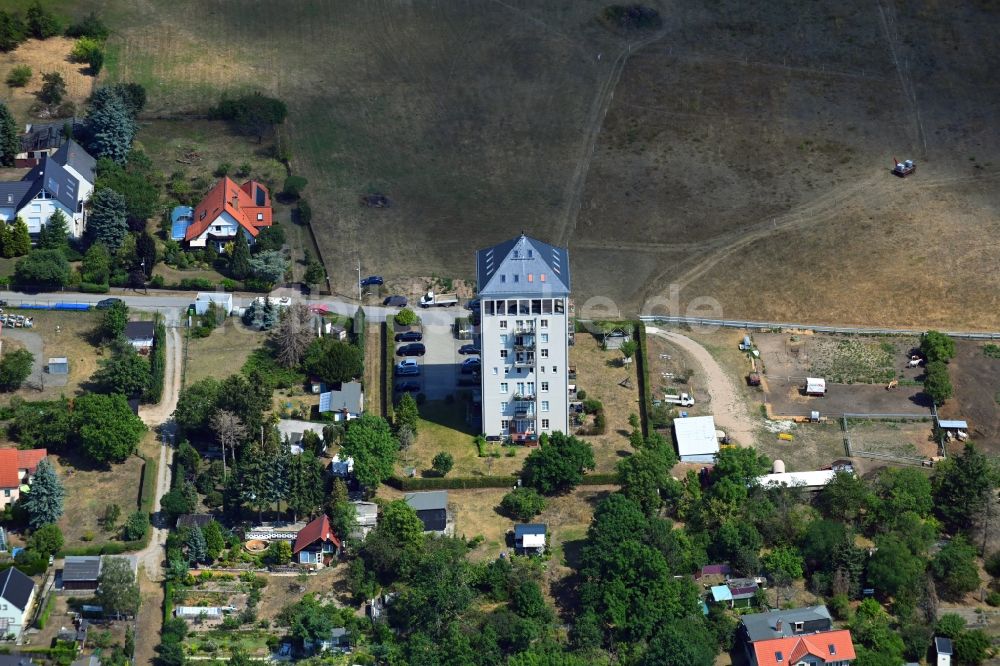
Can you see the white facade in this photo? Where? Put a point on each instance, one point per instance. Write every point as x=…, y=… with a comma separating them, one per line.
x=37, y=212
x=524, y=301
x=224, y=226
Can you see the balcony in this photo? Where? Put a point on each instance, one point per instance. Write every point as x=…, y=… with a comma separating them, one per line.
x=524, y=342
x=524, y=362
x=525, y=329
x=524, y=410
x=529, y=397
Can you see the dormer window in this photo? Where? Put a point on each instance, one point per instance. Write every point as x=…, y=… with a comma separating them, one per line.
x=260, y=217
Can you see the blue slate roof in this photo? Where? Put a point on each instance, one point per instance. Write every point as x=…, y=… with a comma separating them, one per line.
x=523, y=266
x=942, y=645
x=529, y=528
x=17, y=194
x=73, y=155
x=16, y=588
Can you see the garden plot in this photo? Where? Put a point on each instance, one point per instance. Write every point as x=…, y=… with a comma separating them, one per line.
x=892, y=439
x=853, y=360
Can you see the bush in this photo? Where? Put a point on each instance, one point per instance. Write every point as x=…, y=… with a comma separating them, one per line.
x=84, y=49
x=90, y=26
x=198, y=284
x=406, y=317
x=993, y=598
x=91, y=288
x=157, y=364
x=135, y=526
x=293, y=187
x=522, y=504
x=442, y=463
x=592, y=406
x=581, y=394
x=19, y=76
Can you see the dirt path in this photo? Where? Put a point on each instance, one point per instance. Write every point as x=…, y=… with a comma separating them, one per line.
x=154, y=415
x=728, y=409
x=150, y=620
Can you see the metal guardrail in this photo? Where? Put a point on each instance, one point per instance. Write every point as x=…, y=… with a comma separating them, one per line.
x=769, y=325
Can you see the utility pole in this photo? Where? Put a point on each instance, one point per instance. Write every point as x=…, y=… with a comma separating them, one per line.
x=359, y=282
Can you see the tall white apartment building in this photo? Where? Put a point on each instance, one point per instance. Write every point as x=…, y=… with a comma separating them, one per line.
x=524, y=290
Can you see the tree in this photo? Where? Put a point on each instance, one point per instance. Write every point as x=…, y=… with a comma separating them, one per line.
x=53, y=89
x=628, y=350
x=111, y=126
x=96, y=266
x=138, y=182
x=370, y=442
x=972, y=647
x=135, y=526
x=239, y=264
x=305, y=485
x=315, y=272
x=937, y=383
x=117, y=591
x=684, y=642
x=293, y=335
x=10, y=142
x=89, y=26
x=20, y=240
x=937, y=346
x=333, y=361
x=741, y=465
x=214, y=540
x=559, y=465
x=230, y=431
x=522, y=504
x=54, y=234
x=197, y=549
x=871, y=629
x=442, y=463
x=898, y=491
x=407, y=414
x=955, y=568
x=268, y=266
x=196, y=406
x=106, y=428
x=12, y=31
x=179, y=500
x=279, y=552
x=47, y=540
x=108, y=221
x=782, y=565
x=961, y=488
x=19, y=76
x=42, y=23
x=255, y=115
x=894, y=570
x=645, y=474
x=15, y=367
x=44, y=504
x=125, y=372
x=5, y=245
x=844, y=497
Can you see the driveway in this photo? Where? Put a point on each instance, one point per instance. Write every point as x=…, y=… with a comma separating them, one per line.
x=33, y=343
x=729, y=410
x=440, y=364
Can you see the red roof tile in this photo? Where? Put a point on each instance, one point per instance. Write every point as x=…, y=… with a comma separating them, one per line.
x=318, y=530
x=245, y=204
x=830, y=646
x=12, y=461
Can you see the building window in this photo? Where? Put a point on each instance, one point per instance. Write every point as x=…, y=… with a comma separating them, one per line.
x=503, y=387
x=544, y=323
x=545, y=337
x=516, y=276
x=545, y=424
x=545, y=387
x=504, y=424
x=545, y=405
x=503, y=353
x=531, y=388
x=36, y=208
x=503, y=323
x=495, y=372
x=506, y=370
x=6, y=492
x=260, y=217
x=503, y=338
x=545, y=353
x=555, y=368
x=503, y=278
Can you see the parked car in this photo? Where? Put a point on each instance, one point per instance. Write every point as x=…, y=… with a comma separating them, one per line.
x=473, y=305
x=373, y=280
x=409, y=336
x=407, y=367
x=470, y=366
x=469, y=349
x=408, y=387
x=106, y=303
x=413, y=349
x=395, y=302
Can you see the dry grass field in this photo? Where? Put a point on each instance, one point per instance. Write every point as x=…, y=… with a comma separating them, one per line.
x=92, y=490
x=222, y=353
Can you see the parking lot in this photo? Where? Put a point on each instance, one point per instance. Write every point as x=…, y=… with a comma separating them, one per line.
x=440, y=367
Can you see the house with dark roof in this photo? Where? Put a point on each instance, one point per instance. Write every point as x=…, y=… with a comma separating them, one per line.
x=43, y=139
x=17, y=469
x=529, y=539
x=17, y=593
x=63, y=181
x=194, y=520
x=943, y=650
x=316, y=544
x=432, y=510
x=227, y=210
x=345, y=401
x=736, y=592
x=140, y=335
x=786, y=622
x=81, y=572
x=16, y=659
x=830, y=648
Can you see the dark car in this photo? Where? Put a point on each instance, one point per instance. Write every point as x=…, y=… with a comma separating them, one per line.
x=372, y=279
x=473, y=305
x=395, y=301
x=468, y=349
x=107, y=303
x=415, y=349
x=408, y=387
x=409, y=336
x=470, y=366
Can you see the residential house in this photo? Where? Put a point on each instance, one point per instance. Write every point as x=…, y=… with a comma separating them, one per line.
x=140, y=335
x=736, y=592
x=81, y=572
x=229, y=209
x=338, y=641
x=194, y=520
x=41, y=140
x=181, y=218
x=316, y=544
x=943, y=650
x=345, y=401
x=784, y=623
x=17, y=593
x=529, y=539
x=17, y=659
x=432, y=510
x=293, y=430
x=524, y=288
x=807, y=481
x=367, y=519
x=722, y=570
x=17, y=469
x=341, y=468
x=829, y=648
x=63, y=181
x=697, y=441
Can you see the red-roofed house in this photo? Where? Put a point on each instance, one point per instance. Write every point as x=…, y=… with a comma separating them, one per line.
x=829, y=648
x=226, y=210
x=316, y=544
x=17, y=468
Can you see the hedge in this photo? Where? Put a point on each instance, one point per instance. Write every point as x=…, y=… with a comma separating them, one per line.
x=358, y=325
x=388, y=362
x=107, y=548
x=168, y=600
x=157, y=363
x=43, y=617
x=147, y=492
x=94, y=288
x=460, y=483
x=642, y=372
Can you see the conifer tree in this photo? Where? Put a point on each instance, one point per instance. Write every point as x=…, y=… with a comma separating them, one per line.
x=239, y=265
x=20, y=239
x=44, y=503
x=10, y=143
x=197, y=548
x=54, y=234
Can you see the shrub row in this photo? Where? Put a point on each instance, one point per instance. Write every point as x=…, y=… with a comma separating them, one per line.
x=358, y=326
x=460, y=483
x=93, y=288
x=147, y=492
x=107, y=548
x=157, y=363
x=43, y=617
x=642, y=372
x=388, y=361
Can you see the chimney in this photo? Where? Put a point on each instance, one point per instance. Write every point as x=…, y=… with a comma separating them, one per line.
x=236, y=200
x=777, y=625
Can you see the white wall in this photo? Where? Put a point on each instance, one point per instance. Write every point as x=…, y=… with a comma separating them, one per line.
x=223, y=227
x=14, y=616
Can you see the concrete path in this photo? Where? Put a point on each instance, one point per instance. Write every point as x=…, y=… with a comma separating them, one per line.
x=729, y=410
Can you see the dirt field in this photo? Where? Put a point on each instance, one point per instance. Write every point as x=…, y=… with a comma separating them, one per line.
x=50, y=55
x=976, y=378
x=786, y=398
x=912, y=439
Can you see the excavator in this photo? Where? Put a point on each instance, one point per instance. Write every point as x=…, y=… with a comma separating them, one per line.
x=904, y=168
